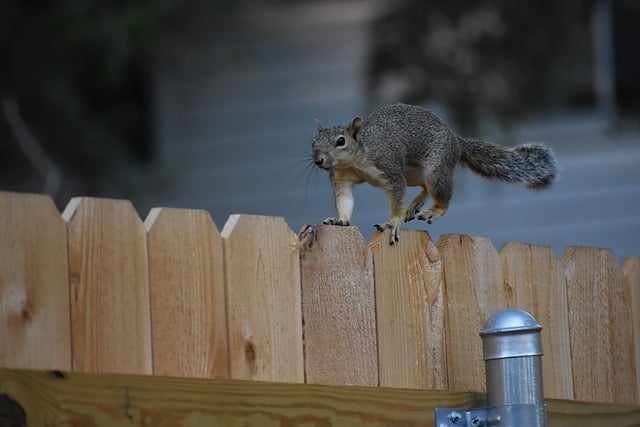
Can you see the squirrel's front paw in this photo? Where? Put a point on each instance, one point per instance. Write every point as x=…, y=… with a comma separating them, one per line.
x=395, y=231
x=335, y=221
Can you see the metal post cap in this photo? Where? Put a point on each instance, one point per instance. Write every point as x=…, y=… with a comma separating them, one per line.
x=511, y=333
x=510, y=320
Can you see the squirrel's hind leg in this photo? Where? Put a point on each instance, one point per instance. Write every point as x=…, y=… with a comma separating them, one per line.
x=439, y=186
x=416, y=204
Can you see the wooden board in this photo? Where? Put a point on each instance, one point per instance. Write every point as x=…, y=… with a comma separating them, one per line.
x=567, y=413
x=109, y=289
x=474, y=291
x=186, y=281
x=338, y=308
x=533, y=282
x=631, y=272
x=100, y=400
x=34, y=284
x=264, y=317
x=600, y=325
x=410, y=311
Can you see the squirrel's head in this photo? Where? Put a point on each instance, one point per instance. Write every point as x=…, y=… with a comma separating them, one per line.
x=336, y=147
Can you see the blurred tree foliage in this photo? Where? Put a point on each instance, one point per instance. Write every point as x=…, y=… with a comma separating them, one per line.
x=78, y=70
x=487, y=57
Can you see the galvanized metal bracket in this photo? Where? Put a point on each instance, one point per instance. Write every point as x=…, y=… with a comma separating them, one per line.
x=517, y=415
x=453, y=417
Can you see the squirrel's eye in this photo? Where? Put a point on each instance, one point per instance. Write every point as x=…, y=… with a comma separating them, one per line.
x=340, y=141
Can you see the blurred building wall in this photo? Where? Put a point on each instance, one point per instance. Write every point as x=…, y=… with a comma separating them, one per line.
x=234, y=109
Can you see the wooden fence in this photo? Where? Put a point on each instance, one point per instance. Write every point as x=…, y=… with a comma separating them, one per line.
x=98, y=290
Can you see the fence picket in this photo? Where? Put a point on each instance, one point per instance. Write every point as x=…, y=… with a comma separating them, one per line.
x=186, y=281
x=533, y=282
x=34, y=284
x=109, y=287
x=473, y=288
x=264, y=317
x=599, y=322
x=338, y=308
x=87, y=285
x=631, y=273
x=410, y=311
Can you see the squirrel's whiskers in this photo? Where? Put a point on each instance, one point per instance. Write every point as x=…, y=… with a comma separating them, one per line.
x=403, y=145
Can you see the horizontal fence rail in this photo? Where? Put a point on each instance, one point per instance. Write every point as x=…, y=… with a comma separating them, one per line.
x=97, y=290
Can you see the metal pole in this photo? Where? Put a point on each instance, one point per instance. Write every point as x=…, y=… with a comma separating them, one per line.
x=512, y=350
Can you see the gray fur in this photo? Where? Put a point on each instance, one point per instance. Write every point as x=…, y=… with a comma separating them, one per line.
x=403, y=145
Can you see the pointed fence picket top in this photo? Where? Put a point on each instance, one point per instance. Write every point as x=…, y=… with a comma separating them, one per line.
x=410, y=309
x=109, y=287
x=262, y=270
x=186, y=281
x=34, y=284
x=631, y=272
x=338, y=308
x=534, y=282
x=78, y=296
x=473, y=287
x=600, y=325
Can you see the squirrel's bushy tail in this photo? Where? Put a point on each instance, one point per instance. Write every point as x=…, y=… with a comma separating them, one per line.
x=530, y=164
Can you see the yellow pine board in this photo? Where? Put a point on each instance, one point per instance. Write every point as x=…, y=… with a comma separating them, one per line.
x=631, y=272
x=338, y=308
x=34, y=284
x=186, y=281
x=600, y=327
x=410, y=311
x=109, y=287
x=533, y=282
x=112, y=400
x=262, y=276
x=474, y=291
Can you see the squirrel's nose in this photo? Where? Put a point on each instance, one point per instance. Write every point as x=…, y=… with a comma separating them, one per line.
x=318, y=158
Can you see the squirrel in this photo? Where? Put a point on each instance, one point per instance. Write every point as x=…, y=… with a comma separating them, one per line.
x=403, y=145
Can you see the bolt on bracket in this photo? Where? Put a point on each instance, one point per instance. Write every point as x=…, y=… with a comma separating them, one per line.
x=503, y=416
x=450, y=417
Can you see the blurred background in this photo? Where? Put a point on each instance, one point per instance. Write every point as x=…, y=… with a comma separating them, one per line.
x=210, y=104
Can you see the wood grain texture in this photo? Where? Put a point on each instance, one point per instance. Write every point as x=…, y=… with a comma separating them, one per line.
x=534, y=282
x=566, y=413
x=338, y=308
x=474, y=290
x=410, y=311
x=34, y=284
x=631, y=272
x=600, y=325
x=101, y=400
x=131, y=400
x=109, y=287
x=186, y=281
x=264, y=319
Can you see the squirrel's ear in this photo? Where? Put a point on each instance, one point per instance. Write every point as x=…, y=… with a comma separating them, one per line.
x=318, y=125
x=355, y=126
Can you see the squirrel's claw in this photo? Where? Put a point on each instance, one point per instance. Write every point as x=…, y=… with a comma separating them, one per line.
x=410, y=214
x=431, y=214
x=394, y=236
x=335, y=221
x=425, y=216
x=308, y=234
